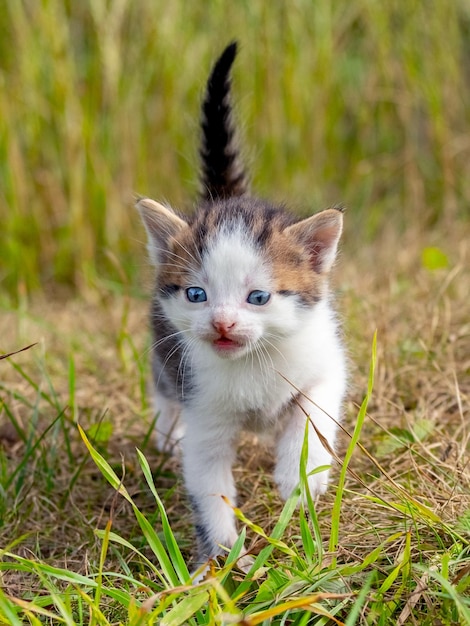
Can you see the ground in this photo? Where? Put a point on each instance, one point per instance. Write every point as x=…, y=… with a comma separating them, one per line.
x=408, y=481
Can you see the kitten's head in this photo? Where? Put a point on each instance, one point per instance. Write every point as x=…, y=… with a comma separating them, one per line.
x=239, y=275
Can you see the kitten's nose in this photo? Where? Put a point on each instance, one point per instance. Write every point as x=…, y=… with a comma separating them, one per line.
x=222, y=326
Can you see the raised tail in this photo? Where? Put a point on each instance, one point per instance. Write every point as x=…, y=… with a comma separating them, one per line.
x=223, y=175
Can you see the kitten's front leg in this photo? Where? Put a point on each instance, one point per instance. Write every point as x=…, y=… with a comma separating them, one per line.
x=168, y=429
x=208, y=455
x=291, y=438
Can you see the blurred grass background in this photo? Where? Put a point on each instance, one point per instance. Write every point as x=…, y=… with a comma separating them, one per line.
x=360, y=101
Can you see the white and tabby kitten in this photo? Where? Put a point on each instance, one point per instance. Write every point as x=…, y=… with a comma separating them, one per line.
x=241, y=304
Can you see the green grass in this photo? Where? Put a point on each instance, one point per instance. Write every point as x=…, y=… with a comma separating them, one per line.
x=314, y=565
x=360, y=102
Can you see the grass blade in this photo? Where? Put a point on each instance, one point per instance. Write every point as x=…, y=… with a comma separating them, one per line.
x=104, y=467
x=172, y=546
x=185, y=609
x=336, y=512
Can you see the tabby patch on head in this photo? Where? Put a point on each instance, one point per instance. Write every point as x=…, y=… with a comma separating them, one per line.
x=241, y=308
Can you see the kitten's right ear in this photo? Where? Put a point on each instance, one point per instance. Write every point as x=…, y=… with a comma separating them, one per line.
x=161, y=224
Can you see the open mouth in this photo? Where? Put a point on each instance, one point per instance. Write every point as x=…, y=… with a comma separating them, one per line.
x=226, y=344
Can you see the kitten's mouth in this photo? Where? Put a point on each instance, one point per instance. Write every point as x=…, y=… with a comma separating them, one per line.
x=225, y=344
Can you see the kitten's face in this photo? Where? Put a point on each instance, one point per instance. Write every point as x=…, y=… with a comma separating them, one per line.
x=229, y=300
x=239, y=278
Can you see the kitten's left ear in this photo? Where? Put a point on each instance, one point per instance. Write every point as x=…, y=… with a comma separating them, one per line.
x=320, y=234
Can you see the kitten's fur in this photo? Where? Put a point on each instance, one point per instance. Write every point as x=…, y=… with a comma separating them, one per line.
x=220, y=364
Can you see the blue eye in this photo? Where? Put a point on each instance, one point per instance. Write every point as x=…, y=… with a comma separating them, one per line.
x=258, y=297
x=196, y=294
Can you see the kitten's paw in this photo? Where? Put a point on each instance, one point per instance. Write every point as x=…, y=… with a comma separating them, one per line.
x=245, y=562
x=168, y=446
x=169, y=443
x=200, y=574
x=317, y=484
x=285, y=484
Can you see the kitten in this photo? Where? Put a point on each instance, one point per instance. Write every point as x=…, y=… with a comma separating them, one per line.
x=241, y=304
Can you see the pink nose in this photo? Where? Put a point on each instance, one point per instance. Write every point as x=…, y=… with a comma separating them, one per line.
x=222, y=327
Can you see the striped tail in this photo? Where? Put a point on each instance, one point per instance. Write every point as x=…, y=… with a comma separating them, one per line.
x=223, y=175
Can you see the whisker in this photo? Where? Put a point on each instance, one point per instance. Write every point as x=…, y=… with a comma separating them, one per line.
x=155, y=344
x=266, y=366
x=184, y=361
x=184, y=262
x=266, y=340
x=173, y=351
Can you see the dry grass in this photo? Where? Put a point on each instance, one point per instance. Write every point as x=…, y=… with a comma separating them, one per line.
x=417, y=431
x=361, y=102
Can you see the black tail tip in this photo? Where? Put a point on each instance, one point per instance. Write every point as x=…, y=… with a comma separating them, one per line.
x=226, y=59
x=230, y=51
